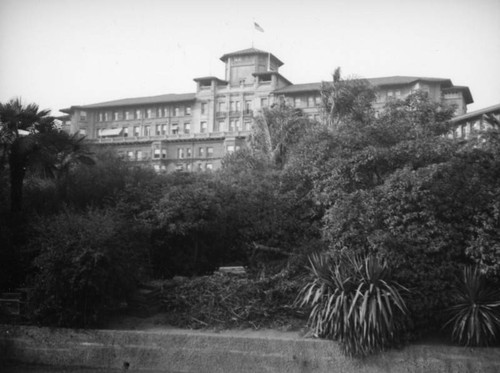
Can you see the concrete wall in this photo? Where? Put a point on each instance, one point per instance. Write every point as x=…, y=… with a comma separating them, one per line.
x=202, y=352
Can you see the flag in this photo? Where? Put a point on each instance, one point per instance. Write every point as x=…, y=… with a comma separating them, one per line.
x=257, y=27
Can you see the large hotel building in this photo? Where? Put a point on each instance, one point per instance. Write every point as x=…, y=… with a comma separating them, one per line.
x=193, y=131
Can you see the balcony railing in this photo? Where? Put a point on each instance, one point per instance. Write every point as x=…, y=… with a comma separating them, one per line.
x=180, y=136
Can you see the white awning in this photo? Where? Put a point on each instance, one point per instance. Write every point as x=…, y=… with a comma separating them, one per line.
x=111, y=132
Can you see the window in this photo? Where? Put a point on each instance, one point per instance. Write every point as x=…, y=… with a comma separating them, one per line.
x=187, y=128
x=222, y=106
x=83, y=115
x=137, y=130
x=156, y=167
x=210, y=152
x=238, y=106
x=201, y=152
x=310, y=101
x=138, y=114
x=451, y=95
x=248, y=106
x=390, y=94
x=203, y=127
x=200, y=167
x=116, y=115
x=175, y=129
x=297, y=102
x=397, y=94
x=219, y=126
x=179, y=167
x=107, y=116
x=264, y=102
x=203, y=107
x=247, y=125
x=164, y=129
x=156, y=153
x=232, y=106
x=147, y=130
x=209, y=166
x=129, y=115
x=101, y=117
x=139, y=155
x=165, y=111
x=125, y=131
x=130, y=155
x=188, y=152
x=232, y=125
x=82, y=131
x=164, y=153
x=149, y=113
x=230, y=148
x=317, y=99
x=159, y=112
x=158, y=129
x=180, y=153
x=176, y=111
x=188, y=110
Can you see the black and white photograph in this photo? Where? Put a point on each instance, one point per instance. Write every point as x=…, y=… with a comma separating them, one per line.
x=249, y=186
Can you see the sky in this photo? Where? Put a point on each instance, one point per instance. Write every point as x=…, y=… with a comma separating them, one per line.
x=59, y=53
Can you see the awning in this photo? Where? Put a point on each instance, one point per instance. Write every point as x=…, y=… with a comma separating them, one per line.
x=111, y=132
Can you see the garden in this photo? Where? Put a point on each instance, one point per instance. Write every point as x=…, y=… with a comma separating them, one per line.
x=373, y=229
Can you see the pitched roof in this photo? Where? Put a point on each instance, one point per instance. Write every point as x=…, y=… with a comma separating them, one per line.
x=171, y=97
x=377, y=82
x=495, y=109
x=465, y=91
x=402, y=80
x=264, y=73
x=249, y=51
x=306, y=87
x=210, y=78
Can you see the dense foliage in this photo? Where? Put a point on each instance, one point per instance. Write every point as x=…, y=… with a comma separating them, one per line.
x=388, y=185
x=88, y=264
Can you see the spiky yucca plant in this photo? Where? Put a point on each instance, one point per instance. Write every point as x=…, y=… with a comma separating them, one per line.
x=353, y=301
x=475, y=316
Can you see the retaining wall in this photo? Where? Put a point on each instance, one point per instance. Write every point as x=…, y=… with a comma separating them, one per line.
x=202, y=352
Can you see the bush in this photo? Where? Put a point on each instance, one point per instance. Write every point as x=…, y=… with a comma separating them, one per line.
x=355, y=302
x=475, y=315
x=88, y=264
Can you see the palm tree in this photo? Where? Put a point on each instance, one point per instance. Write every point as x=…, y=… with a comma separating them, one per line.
x=276, y=131
x=28, y=137
x=345, y=99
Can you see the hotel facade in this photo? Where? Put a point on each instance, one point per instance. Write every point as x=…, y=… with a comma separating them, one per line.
x=193, y=131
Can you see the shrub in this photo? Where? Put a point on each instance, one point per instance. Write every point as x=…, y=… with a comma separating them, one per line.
x=88, y=263
x=475, y=316
x=354, y=301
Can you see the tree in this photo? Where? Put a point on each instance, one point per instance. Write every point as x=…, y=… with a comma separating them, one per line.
x=346, y=99
x=29, y=138
x=276, y=131
x=397, y=187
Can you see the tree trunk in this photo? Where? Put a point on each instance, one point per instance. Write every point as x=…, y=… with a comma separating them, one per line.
x=17, y=166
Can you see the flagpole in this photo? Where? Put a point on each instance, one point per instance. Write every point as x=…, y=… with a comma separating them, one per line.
x=253, y=30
